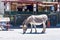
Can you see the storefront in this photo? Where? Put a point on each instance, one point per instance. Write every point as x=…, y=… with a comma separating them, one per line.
x=48, y=6
x=18, y=11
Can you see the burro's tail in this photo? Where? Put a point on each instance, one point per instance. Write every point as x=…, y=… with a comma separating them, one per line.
x=47, y=21
x=46, y=17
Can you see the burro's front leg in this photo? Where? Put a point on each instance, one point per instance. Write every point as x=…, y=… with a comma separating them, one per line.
x=44, y=27
x=31, y=28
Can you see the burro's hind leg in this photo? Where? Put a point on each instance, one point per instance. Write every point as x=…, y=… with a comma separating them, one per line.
x=44, y=28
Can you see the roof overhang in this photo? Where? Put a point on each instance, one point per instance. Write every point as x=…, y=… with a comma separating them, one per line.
x=44, y=5
x=23, y=1
x=51, y=2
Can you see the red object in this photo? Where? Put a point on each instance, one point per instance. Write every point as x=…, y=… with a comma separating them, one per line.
x=7, y=26
x=48, y=24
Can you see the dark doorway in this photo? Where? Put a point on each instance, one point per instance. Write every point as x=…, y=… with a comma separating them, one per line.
x=30, y=7
x=19, y=8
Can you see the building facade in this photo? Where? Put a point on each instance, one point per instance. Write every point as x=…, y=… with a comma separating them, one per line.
x=1, y=7
x=27, y=7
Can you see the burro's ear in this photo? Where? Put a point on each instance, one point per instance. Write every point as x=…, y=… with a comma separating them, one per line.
x=25, y=26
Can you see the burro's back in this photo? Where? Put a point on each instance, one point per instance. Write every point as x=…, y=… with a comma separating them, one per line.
x=38, y=18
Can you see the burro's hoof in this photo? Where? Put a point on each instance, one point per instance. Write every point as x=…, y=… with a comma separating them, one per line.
x=35, y=32
x=23, y=32
x=30, y=32
x=42, y=32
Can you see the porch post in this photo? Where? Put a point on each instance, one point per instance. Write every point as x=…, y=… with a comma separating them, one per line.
x=34, y=8
x=1, y=7
x=7, y=6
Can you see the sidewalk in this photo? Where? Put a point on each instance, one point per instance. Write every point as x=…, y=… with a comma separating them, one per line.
x=16, y=34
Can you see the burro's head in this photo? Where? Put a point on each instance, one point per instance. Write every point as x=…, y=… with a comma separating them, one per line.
x=24, y=27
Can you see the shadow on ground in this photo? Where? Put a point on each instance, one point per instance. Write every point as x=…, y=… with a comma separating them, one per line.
x=34, y=33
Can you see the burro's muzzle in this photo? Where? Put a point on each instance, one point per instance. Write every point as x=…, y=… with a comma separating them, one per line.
x=24, y=28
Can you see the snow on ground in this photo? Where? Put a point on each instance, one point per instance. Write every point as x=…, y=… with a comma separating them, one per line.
x=16, y=34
